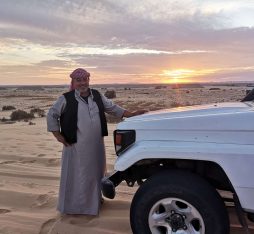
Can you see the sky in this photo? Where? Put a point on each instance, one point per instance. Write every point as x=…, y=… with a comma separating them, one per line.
x=126, y=41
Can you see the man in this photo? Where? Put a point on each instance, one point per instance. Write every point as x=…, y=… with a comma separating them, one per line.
x=77, y=120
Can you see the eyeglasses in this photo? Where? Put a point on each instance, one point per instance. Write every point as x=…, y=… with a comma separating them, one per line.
x=86, y=78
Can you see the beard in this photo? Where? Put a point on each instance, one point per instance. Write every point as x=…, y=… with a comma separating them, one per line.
x=83, y=89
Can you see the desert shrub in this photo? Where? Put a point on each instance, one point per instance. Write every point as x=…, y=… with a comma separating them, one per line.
x=160, y=87
x=21, y=115
x=38, y=111
x=214, y=89
x=110, y=94
x=4, y=119
x=6, y=108
x=7, y=121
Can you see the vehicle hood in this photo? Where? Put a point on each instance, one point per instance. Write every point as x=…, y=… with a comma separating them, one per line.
x=230, y=117
x=195, y=111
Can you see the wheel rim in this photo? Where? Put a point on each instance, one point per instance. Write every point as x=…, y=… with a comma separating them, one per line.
x=175, y=216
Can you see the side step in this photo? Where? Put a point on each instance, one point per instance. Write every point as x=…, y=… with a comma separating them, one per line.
x=241, y=214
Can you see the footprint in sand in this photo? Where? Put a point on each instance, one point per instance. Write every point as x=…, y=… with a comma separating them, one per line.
x=77, y=219
x=4, y=211
x=48, y=148
x=29, y=185
x=27, y=161
x=47, y=226
x=54, y=162
x=8, y=162
x=52, y=192
x=41, y=201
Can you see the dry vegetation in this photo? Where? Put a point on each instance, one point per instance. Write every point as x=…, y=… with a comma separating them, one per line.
x=30, y=159
x=37, y=100
x=7, y=108
x=20, y=115
x=38, y=111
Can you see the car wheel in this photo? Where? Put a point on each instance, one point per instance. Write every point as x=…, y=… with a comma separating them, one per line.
x=178, y=202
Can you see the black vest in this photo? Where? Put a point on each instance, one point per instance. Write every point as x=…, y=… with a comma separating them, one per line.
x=69, y=118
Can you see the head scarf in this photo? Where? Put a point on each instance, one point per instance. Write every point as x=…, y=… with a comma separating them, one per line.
x=78, y=73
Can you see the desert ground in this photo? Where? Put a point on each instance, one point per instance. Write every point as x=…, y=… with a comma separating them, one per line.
x=30, y=159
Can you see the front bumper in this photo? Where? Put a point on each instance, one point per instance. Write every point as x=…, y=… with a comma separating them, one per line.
x=109, y=183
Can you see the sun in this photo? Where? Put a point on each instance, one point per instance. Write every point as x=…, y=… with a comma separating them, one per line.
x=178, y=75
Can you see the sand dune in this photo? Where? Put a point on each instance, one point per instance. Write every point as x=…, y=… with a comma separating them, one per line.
x=29, y=188
x=29, y=181
x=114, y=218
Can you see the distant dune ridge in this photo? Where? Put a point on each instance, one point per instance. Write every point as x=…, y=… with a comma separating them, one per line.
x=30, y=158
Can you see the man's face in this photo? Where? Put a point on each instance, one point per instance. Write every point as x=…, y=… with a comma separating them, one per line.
x=81, y=84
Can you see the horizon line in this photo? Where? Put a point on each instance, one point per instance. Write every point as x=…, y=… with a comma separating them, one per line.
x=138, y=84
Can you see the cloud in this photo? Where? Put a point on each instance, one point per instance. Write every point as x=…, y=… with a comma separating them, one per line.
x=229, y=75
x=97, y=22
x=136, y=38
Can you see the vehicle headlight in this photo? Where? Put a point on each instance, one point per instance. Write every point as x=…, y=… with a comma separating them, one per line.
x=123, y=139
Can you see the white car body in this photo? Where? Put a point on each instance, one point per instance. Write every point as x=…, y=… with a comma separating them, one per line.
x=222, y=133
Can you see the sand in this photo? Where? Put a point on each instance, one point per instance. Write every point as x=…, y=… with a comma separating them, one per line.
x=30, y=165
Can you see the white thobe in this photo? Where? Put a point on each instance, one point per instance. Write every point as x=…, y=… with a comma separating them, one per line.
x=83, y=163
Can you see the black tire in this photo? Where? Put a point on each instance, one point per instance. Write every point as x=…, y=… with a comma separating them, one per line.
x=185, y=186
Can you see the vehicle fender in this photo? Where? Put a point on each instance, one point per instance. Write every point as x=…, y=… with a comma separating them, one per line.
x=236, y=160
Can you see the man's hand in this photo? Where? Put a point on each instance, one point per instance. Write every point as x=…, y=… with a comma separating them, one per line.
x=139, y=112
x=130, y=114
x=60, y=138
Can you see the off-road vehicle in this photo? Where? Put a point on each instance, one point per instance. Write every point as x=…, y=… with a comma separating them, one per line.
x=185, y=160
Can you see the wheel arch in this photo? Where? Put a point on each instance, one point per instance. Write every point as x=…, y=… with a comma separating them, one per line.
x=211, y=171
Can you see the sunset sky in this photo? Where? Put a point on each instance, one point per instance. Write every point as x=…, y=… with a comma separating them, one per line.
x=126, y=41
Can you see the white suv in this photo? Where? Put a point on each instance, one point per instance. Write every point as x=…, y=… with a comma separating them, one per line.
x=183, y=159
